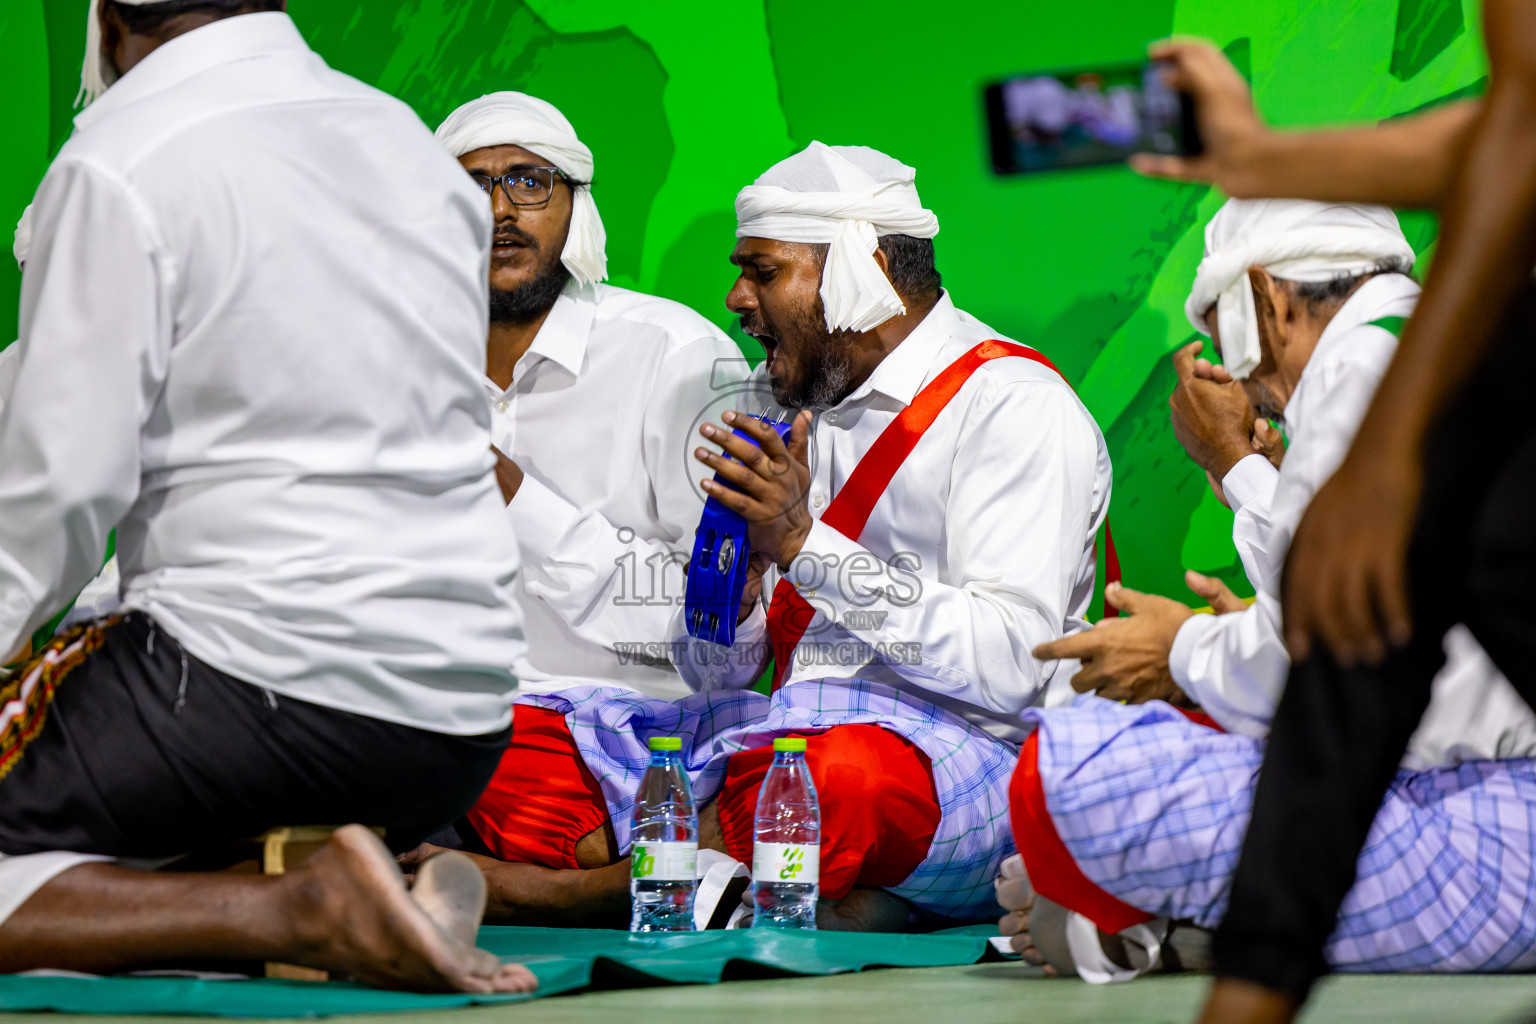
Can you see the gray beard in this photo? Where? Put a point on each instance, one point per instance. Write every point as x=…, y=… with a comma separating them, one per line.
x=830, y=386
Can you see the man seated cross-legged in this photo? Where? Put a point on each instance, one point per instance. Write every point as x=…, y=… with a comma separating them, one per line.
x=931, y=518
x=236, y=254
x=1304, y=300
x=595, y=391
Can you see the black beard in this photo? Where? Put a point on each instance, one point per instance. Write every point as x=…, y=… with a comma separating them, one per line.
x=825, y=359
x=528, y=302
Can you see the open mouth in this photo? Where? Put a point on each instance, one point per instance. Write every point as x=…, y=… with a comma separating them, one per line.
x=770, y=350
x=505, y=247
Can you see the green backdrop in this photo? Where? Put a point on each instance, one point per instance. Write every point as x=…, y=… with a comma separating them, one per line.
x=683, y=102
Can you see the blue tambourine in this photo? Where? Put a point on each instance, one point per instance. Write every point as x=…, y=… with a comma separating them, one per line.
x=717, y=572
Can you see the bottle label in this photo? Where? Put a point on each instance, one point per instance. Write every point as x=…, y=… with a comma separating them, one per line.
x=664, y=862
x=786, y=862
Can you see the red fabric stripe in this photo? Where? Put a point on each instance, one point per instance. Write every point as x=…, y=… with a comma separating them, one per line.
x=1052, y=871
x=789, y=614
x=1111, y=569
x=1200, y=718
x=879, y=807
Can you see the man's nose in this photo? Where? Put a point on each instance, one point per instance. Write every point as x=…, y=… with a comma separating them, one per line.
x=742, y=298
x=502, y=208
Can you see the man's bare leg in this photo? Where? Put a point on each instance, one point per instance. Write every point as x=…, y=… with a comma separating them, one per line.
x=346, y=910
x=594, y=895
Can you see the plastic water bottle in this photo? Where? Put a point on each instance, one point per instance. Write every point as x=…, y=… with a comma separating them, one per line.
x=786, y=842
x=666, y=844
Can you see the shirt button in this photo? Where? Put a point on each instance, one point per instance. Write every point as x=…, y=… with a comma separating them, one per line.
x=818, y=501
x=831, y=417
x=503, y=405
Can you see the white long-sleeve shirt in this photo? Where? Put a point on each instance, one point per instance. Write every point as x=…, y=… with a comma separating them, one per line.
x=1235, y=666
x=981, y=548
x=252, y=338
x=602, y=416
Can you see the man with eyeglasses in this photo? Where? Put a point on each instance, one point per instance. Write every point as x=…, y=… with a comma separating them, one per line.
x=596, y=394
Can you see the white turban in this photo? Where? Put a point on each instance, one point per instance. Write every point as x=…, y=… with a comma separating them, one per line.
x=848, y=196
x=92, y=82
x=517, y=119
x=23, y=243
x=1293, y=239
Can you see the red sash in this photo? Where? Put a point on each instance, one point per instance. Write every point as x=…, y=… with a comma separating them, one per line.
x=789, y=614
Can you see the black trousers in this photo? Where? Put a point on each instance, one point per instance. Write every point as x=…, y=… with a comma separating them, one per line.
x=137, y=749
x=1340, y=733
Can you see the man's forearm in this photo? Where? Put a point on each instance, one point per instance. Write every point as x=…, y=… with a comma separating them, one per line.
x=1404, y=163
x=1487, y=247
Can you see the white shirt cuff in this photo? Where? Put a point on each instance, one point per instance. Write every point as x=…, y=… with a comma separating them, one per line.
x=1181, y=655
x=540, y=519
x=1251, y=479
x=831, y=548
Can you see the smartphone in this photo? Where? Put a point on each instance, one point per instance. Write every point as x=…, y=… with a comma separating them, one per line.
x=1053, y=120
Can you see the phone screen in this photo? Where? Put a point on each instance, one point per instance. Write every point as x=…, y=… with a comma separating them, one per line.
x=1060, y=119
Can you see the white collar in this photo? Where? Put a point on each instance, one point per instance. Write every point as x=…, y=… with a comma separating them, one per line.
x=563, y=336
x=901, y=373
x=241, y=37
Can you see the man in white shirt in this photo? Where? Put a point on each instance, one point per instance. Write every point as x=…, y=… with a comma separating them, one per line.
x=1318, y=350
x=234, y=254
x=104, y=593
x=1310, y=353
x=596, y=392
x=930, y=523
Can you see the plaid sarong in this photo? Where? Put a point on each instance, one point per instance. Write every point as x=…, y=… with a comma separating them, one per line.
x=1153, y=809
x=971, y=768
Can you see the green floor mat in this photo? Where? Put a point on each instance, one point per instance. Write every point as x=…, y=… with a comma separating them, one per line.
x=564, y=959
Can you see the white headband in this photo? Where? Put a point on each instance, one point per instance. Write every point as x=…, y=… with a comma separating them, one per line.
x=92, y=82
x=517, y=119
x=1293, y=239
x=847, y=196
x=23, y=243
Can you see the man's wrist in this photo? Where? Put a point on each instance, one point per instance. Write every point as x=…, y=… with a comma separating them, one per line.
x=1227, y=456
x=792, y=548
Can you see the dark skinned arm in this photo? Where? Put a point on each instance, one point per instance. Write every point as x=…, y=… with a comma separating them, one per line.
x=1345, y=576
x=1407, y=162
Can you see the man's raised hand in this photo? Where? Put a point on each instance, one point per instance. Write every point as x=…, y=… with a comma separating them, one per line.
x=1213, y=421
x=770, y=481
x=1126, y=658
x=1231, y=132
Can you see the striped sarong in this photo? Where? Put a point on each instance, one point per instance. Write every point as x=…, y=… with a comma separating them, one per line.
x=1153, y=807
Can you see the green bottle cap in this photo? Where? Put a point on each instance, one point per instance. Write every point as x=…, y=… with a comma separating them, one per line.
x=666, y=743
x=796, y=743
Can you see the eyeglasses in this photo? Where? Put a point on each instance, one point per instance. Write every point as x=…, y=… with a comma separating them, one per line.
x=523, y=186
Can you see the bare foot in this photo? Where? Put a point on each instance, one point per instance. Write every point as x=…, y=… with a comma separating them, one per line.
x=451, y=889
x=348, y=911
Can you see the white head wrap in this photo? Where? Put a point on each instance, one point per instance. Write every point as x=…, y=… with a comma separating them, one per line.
x=23, y=243
x=848, y=196
x=1293, y=239
x=92, y=82
x=517, y=119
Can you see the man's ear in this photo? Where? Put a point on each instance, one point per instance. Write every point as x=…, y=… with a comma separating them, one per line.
x=112, y=31
x=1274, y=309
x=885, y=264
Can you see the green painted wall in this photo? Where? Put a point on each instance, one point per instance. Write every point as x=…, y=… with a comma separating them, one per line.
x=684, y=102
